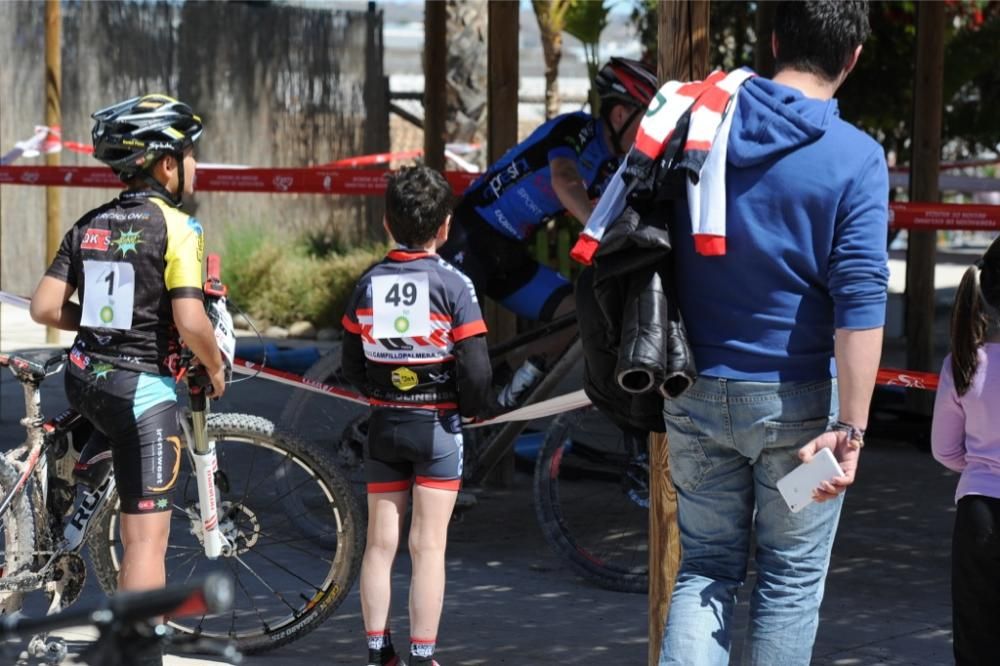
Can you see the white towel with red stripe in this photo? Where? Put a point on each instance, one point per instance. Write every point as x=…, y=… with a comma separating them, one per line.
x=708, y=105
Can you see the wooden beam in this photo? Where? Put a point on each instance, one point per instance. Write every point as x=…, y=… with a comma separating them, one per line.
x=683, y=55
x=682, y=39
x=921, y=250
x=501, y=135
x=53, y=119
x=763, y=58
x=435, y=92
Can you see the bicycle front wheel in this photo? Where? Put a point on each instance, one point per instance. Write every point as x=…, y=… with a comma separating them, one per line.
x=337, y=426
x=17, y=537
x=294, y=525
x=591, y=495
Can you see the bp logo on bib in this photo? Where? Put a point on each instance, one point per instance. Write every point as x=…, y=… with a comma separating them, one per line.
x=404, y=379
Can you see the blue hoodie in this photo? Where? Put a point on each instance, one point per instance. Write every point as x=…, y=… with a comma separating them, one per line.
x=806, y=221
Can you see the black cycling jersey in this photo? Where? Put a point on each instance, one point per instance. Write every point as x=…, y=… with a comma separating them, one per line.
x=405, y=322
x=128, y=259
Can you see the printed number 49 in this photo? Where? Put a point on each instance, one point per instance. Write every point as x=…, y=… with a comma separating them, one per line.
x=408, y=297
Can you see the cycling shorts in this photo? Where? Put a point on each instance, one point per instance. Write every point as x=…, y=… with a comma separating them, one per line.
x=137, y=413
x=502, y=267
x=407, y=446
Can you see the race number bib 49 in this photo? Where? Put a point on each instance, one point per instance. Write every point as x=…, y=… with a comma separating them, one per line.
x=108, y=294
x=401, y=306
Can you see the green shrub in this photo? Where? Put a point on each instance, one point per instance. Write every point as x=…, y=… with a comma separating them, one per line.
x=283, y=282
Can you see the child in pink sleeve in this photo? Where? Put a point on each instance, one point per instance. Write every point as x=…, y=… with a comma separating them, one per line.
x=965, y=437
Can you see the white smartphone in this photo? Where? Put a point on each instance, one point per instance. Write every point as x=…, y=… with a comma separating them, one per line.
x=797, y=486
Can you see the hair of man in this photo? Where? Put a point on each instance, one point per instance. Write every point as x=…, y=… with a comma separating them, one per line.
x=819, y=37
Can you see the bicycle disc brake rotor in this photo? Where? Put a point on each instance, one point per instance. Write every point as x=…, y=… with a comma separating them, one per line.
x=241, y=526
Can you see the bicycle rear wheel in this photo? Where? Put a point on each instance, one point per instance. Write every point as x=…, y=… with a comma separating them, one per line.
x=296, y=527
x=17, y=537
x=591, y=494
x=338, y=427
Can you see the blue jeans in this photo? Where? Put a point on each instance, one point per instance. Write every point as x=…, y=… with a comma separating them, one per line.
x=729, y=442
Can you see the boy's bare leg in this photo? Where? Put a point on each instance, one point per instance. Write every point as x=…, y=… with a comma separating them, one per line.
x=385, y=511
x=432, y=508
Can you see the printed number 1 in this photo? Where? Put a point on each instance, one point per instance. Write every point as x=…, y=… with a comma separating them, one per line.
x=409, y=295
x=111, y=283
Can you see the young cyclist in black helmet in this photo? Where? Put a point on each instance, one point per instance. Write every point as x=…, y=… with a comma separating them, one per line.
x=414, y=342
x=561, y=167
x=136, y=263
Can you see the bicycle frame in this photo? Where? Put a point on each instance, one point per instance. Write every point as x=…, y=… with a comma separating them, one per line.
x=499, y=444
x=31, y=460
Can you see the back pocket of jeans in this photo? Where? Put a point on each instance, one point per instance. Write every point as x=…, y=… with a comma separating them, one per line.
x=688, y=460
x=783, y=441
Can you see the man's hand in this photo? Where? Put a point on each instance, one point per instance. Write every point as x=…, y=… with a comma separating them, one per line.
x=218, y=381
x=196, y=331
x=846, y=455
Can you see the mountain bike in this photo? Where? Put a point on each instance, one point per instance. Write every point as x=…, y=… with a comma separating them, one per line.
x=591, y=480
x=260, y=506
x=125, y=632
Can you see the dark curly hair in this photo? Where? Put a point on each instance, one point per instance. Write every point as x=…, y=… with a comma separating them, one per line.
x=417, y=201
x=819, y=37
x=974, y=315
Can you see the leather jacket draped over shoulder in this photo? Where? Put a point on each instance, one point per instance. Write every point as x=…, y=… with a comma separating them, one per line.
x=635, y=348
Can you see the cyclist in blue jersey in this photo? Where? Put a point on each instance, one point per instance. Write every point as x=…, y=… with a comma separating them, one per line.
x=561, y=167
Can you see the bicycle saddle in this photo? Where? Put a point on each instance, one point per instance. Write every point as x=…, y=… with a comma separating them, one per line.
x=34, y=365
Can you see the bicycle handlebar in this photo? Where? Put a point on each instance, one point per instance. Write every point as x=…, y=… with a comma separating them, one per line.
x=214, y=594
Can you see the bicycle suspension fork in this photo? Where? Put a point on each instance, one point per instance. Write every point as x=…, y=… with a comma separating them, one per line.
x=205, y=465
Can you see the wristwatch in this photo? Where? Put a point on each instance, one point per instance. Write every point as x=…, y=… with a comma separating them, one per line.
x=855, y=435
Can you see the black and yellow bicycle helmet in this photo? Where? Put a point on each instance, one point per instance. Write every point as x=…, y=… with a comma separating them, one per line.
x=131, y=136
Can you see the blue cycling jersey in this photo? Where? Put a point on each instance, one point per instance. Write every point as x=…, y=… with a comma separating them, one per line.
x=515, y=195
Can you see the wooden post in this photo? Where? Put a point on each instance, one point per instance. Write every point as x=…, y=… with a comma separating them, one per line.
x=501, y=135
x=683, y=55
x=921, y=249
x=376, y=126
x=502, y=116
x=435, y=70
x=53, y=118
x=763, y=59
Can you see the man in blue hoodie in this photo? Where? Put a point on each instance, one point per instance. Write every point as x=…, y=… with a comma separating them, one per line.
x=786, y=329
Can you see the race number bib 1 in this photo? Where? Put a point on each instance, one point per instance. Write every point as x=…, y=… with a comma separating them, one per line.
x=401, y=306
x=108, y=294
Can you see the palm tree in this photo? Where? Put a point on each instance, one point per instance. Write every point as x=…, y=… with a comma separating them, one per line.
x=466, y=75
x=551, y=16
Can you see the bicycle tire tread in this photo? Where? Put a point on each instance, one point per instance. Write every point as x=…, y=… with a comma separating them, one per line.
x=236, y=424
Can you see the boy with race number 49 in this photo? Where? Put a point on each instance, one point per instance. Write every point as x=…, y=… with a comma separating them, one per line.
x=415, y=344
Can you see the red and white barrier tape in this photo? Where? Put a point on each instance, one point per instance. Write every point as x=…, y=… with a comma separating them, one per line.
x=930, y=216
x=329, y=180
x=907, y=379
x=317, y=180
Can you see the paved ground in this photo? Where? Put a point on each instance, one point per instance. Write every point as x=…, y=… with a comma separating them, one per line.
x=510, y=600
